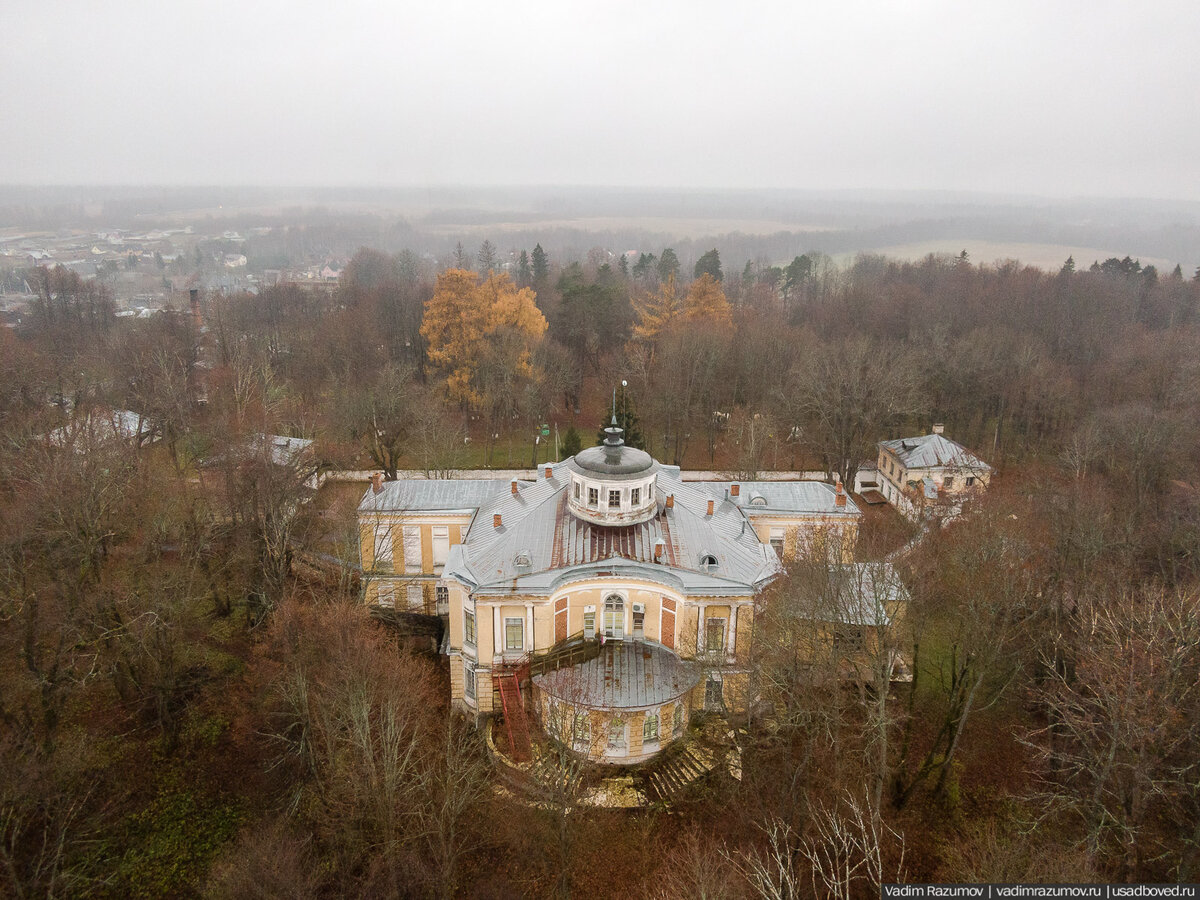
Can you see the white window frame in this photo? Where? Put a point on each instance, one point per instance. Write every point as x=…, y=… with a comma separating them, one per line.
x=615, y=626
x=385, y=593
x=611, y=494
x=635, y=496
x=412, y=549
x=519, y=622
x=720, y=623
x=415, y=596
x=385, y=546
x=618, y=728
x=650, y=735
x=593, y=497
x=469, y=683
x=589, y=630
x=470, y=628
x=441, y=545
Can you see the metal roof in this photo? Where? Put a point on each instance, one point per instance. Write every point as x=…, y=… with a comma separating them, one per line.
x=626, y=675
x=432, y=495
x=537, y=521
x=931, y=451
x=783, y=497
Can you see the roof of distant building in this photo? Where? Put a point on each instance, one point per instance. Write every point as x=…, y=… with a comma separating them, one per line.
x=782, y=497
x=930, y=451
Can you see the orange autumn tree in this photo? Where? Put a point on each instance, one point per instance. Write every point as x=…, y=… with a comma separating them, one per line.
x=656, y=311
x=706, y=302
x=465, y=318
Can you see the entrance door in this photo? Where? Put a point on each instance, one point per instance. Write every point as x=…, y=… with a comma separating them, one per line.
x=614, y=617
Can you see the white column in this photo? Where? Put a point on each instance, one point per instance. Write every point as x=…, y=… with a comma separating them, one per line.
x=729, y=638
x=497, y=631
x=529, y=627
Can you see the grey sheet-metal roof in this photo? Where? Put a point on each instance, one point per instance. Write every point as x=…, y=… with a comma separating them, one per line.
x=783, y=497
x=538, y=522
x=432, y=495
x=626, y=675
x=931, y=451
x=283, y=450
x=859, y=594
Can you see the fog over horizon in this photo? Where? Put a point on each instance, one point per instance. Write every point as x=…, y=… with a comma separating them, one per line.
x=1074, y=100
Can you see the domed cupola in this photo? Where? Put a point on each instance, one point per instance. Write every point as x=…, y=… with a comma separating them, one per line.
x=612, y=484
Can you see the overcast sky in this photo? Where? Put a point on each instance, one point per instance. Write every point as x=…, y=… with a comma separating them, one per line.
x=1057, y=98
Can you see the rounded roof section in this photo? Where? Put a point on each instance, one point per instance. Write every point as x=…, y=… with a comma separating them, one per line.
x=626, y=675
x=613, y=458
x=619, y=460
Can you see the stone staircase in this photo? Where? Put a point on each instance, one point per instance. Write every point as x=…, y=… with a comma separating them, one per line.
x=677, y=770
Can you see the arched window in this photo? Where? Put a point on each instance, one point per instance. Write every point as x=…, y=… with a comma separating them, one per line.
x=708, y=562
x=758, y=500
x=614, y=617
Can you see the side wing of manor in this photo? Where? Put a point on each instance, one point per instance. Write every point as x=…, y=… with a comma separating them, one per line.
x=619, y=596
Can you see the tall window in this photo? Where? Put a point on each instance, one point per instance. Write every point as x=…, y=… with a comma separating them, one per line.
x=469, y=680
x=635, y=496
x=412, y=548
x=614, y=617
x=469, y=627
x=593, y=496
x=714, y=635
x=581, y=729
x=441, y=544
x=514, y=634
x=385, y=593
x=383, y=546
x=713, y=698
x=616, y=734
x=443, y=598
x=589, y=624
x=650, y=491
x=777, y=535
x=577, y=490
x=677, y=722
x=650, y=729
x=639, y=623
x=614, y=499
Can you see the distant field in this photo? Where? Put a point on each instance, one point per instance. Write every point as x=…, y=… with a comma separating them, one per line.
x=1043, y=256
x=677, y=227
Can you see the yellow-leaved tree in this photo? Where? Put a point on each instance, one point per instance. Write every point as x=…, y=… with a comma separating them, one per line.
x=656, y=311
x=465, y=318
x=706, y=302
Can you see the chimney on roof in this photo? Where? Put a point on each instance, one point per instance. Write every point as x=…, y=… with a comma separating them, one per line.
x=496, y=520
x=549, y=472
x=711, y=504
x=938, y=428
x=660, y=547
x=514, y=487
x=377, y=482
x=840, y=496
x=670, y=501
x=734, y=489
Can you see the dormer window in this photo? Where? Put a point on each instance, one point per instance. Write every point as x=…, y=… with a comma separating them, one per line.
x=708, y=562
x=524, y=561
x=758, y=500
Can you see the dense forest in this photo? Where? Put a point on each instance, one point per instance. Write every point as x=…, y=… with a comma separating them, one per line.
x=195, y=702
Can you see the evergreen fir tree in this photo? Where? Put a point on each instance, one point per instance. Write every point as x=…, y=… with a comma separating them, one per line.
x=627, y=418
x=572, y=443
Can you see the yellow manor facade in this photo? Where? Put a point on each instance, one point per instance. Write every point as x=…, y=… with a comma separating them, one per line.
x=608, y=600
